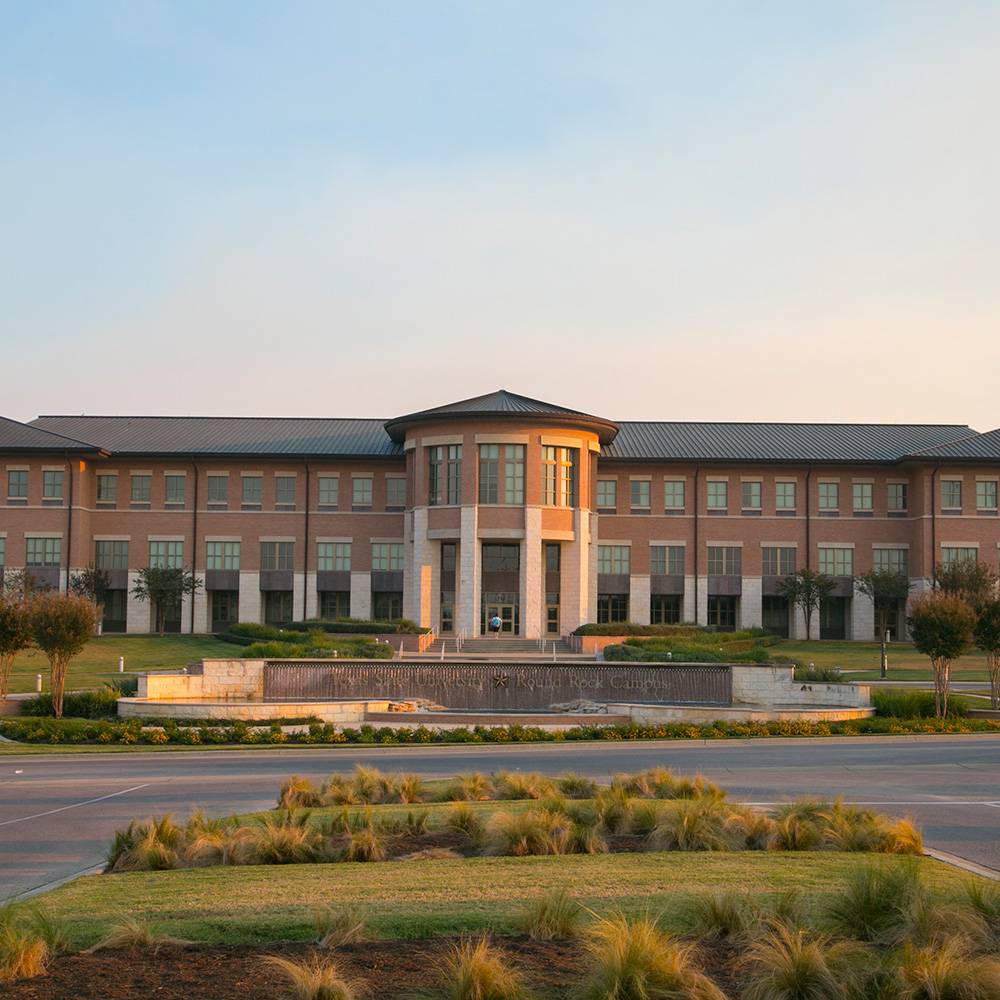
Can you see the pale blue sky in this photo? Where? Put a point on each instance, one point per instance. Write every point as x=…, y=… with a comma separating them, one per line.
x=742, y=210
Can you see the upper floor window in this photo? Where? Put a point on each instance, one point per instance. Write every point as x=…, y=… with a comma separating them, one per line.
x=896, y=496
x=952, y=554
x=222, y=555
x=218, y=490
x=725, y=560
x=173, y=489
x=666, y=560
x=284, y=492
x=166, y=555
x=890, y=560
x=718, y=494
x=52, y=485
x=501, y=558
x=951, y=494
x=862, y=497
x=615, y=559
x=329, y=491
x=986, y=494
x=107, y=490
x=607, y=494
x=3, y=551
x=777, y=560
x=395, y=493
x=111, y=555
x=501, y=473
x=829, y=496
x=444, y=481
x=558, y=476
x=673, y=494
x=836, y=561
x=639, y=491
x=141, y=488
x=784, y=495
x=387, y=556
x=333, y=556
x=251, y=491
x=43, y=552
x=277, y=555
x=750, y=494
x=361, y=493
x=17, y=484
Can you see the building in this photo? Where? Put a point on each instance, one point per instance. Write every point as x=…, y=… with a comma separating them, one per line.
x=545, y=515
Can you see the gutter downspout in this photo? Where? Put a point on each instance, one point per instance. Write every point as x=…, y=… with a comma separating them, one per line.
x=69, y=520
x=194, y=540
x=305, y=560
x=934, y=473
x=808, y=517
x=697, y=468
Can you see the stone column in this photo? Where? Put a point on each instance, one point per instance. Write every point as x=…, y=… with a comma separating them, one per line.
x=251, y=603
x=532, y=580
x=751, y=603
x=361, y=594
x=468, y=590
x=702, y=586
x=638, y=599
x=137, y=613
x=574, y=573
x=862, y=616
x=688, y=603
x=201, y=622
x=312, y=597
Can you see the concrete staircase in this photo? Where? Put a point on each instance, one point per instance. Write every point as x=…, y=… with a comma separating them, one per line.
x=504, y=648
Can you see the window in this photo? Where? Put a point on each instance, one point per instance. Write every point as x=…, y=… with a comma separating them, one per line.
x=612, y=608
x=896, y=496
x=251, y=491
x=284, y=491
x=387, y=556
x=951, y=494
x=722, y=613
x=725, y=560
x=501, y=559
x=862, y=497
x=891, y=560
x=43, y=552
x=52, y=484
x=951, y=554
x=613, y=559
x=107, y=490
x=673, y=494
x=218, y=489
x=222, y=555
x=387, y=606
x=513, y=473
x=639, y=489
x=489, y=473
x=395, y=493
x=666, y=560
x=329, y=491
x=558, y=476
x=665, y=609
x=836, y=562
x=110, y=555
x=17, y=484
x=361, y=492
x=277, y=555
x=750, y=495
x=986, y=494
x=278, y=607
x=784, y=496
x=141, y=488
x=334, y=604
x=444, y=475
x=166, y=555
x=777, y=560
x=829, y=496
x=490, y=457
x=607, y=494
x=333, y=556
x=3, y=551
x=173, y=489
x=718, y=494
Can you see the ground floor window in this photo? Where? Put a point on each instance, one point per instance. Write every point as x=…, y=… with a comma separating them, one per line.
x=665, y=609
x=612, y=608
x=775, y=615
x=833, y=618
x=171, y=617
x=894, y=621
x=447, y=612
x=277, y=607
x=506, y=606
x=552, y=608
x=722, y=613
x=225, y=608
x=334, y=604
x=387, y=606
x=115, y=613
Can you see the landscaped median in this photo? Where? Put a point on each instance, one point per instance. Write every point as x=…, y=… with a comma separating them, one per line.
x=653, y=887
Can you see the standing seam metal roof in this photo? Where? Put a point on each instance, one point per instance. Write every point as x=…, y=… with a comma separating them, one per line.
x=976, y=446
x=15, y=436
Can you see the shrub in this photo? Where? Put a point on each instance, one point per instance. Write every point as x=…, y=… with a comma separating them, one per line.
x=298, y=793
x=984, y=897
x=871, y=904
x=811, y=674
x=892, y=703
x=410, y=789
x=338, y=791
x=151, y=846
x=630, y=628
x=335, y=928
x=285, y=840
x=515, y=785
x=614, y=809
x=364, y=845
x=101, y=703
x=693, y=825
x=722, y=916
x=948, y=972
x=754, y=829
x=474, y=787
x=527, y=833
x=475, y=970
x=129, y=934
x=554, y=915
x=575, y=786
x=634, y=960
x=314, y=980
x=463, y=819
x=24, y=952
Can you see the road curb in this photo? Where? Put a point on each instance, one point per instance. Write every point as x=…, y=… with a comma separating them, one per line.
x=958, y=862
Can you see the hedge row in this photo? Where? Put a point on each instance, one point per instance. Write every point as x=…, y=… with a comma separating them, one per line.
x=342, y=626
x=75, y=732
x=680, y=653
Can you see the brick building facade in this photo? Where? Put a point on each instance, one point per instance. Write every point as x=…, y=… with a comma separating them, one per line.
x=547, y=516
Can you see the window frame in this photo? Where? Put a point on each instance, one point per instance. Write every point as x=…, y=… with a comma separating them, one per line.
x=674, y=486
x=53, y=485
x=837, y=556
x=50, y=550
x=614, y=560
x=328, y=491
x=639, y=495
x=755, y=485
x=987, y=506
x=713, y=489
x=222, y=555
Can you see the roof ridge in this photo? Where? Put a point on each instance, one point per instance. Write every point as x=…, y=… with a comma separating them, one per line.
x=42, y=430
x=178, y=416
x=792, y=423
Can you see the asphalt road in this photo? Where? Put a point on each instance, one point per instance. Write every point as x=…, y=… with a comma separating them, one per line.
x=57, y=813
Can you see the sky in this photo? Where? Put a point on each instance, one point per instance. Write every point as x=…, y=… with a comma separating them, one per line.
x=710, y=210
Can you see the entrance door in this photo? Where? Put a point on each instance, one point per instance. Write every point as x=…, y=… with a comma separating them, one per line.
x=506, y=614
x=833, y=618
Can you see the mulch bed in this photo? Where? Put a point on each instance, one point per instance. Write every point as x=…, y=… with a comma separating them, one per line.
x=382, y=969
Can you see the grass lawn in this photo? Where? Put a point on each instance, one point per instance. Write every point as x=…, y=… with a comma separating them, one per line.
x=905, y=663
x=419, y=898
x=99, y=660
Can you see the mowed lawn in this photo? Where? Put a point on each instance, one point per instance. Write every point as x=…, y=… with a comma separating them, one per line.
x=99, y=660
x=402, y=899
x=905, y=663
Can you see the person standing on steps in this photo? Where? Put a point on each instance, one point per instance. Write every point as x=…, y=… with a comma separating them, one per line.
x=495, y=625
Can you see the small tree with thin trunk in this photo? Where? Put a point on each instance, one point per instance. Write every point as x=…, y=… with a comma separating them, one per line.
x=20, y=584
x=806, y=589
x=942, y=627
x=62, y=624
x=973, y=581
x=164, y=587
x=987, y=638
x=15, y=635
x=886, y=589
x=93, y=584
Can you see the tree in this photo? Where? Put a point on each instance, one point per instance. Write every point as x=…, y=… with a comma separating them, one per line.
x=22, y=583
x=806, y=589
x=61, y=624
x=92, y=584
x=987, y=638
x=15, y=635
x=942, y=627
x=973, y=581
x=164, y=587
x=885, y=588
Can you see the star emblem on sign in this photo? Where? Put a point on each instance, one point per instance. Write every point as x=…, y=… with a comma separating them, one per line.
x=500, y=680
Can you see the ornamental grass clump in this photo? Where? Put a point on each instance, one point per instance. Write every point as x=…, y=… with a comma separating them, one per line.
x=513, y=785
x=338, y=791
x=984, y=897
x=461, y=818
x=552, y=916
x=947, y=972
x=614, y=808
x=410, y=789
x=871, y=904
x=635, y=960
x=287, y=839
x=693, y=825
x=364, y=845
x=338, y=927
x=722, y=916
x=528, y=833
x=476, y=970
x=473, y=787
x=130, y=934
x=24, y=951
x=575, y=786
x=317, y=979
x=298, y=793
x=151, y=846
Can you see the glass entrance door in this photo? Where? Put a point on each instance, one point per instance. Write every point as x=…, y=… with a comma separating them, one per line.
x=507, y=613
